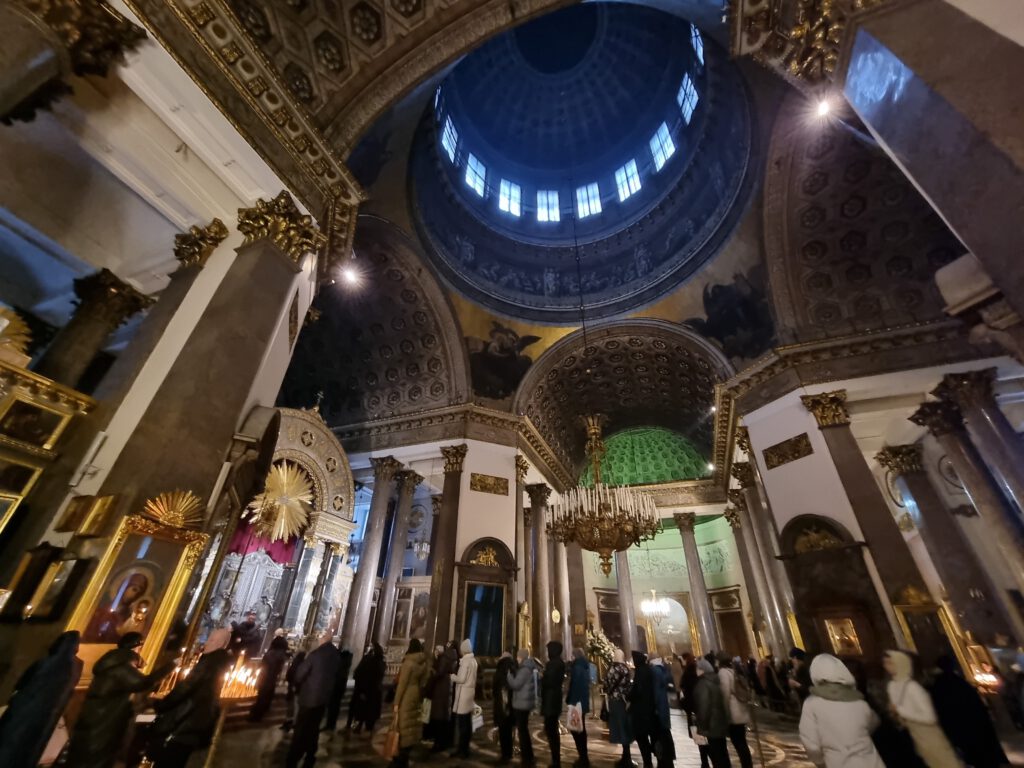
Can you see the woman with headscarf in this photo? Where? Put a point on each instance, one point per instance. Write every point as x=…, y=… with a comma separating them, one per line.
x=836, y=723
x=412, y=679
x=102, y=728
x=913, y=706
x=616, y=688
x=439, y=690
x=664, y=746
x=40, y=696
x=367, y=691
x=965, y=718
x=579, y=694
x=270, y=669
x=711, y=714
x=642, y=715
x=187, y=716
x=465, y=697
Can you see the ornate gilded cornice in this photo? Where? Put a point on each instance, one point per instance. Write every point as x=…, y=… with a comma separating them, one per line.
x=743, y=439
x=743, y=471
x=968, y=388
x=901, y=459
x=105, y=294
x=685, y=521
x=194, y=247
x=14, y=378
x=454, y=456
x=280, y=221
x=539, y=494
x=732, y=516
x=522, y=467
x=737, y=498
x=384, y=469
x=687, y=493
x=829, y=408
x=939, y=418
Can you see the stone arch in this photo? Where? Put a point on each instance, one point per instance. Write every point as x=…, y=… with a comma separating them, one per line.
x=813, y=533
x=391, y=346
x=479, y=550
x=637, y=372
x=850, y=245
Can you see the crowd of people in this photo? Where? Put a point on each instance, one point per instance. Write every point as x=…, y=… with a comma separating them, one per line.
x=844, y=721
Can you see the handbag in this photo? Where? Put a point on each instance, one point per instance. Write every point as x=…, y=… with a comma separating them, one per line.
x=391, y=744
x=574, y=718
x=425, y=709
x=478, y=717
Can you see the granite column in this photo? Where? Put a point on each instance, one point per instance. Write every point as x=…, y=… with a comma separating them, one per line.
x=331, y=549
x=753, y=577
x=562, y=583
x=442, y=583
x=540, y=611
x=707, y=632
x=522, y=574
x=407, y=482
x=627, y=610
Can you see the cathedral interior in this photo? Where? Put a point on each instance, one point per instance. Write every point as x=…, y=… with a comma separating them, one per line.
x=679, y=325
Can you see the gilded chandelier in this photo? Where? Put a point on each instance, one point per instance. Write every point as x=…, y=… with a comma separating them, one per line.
x=603, y=519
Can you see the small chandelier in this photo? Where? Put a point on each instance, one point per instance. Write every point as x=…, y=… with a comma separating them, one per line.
x=655, y=608
x=602, y=518
x=421, y=548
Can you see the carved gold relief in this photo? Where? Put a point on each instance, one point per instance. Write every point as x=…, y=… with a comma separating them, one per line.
x=829, y=408
x=744, y=473
x=194, y=247
x=14, y=333
x=486, y=557
x=815, y=539
x=282, y=510
x=103, y=293
x=732, y=516
x=454, y=456
x=176, y=509
x=488, y=484
x=788, y=450
x=280, y=221
x=901, y=459
x=939, y=418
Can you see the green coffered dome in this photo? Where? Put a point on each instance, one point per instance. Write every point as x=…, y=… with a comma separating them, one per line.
x=647, y=455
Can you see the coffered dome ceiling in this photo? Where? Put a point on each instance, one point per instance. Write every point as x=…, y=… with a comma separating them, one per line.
x=648, y=455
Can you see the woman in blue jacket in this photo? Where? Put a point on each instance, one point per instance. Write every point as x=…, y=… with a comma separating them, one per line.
x=579, y=693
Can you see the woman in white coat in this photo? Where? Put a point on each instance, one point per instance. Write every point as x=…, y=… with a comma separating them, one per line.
x=465, y=698
x=836, y=723
x=913, y=705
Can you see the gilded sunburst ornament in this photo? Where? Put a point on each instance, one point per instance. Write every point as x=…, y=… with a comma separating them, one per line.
x=282, y=510
x=178, y=509
x=14, y=333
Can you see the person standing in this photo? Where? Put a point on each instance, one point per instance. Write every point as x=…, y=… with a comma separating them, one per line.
x=579, y=695
x=314, y=681
x=246, y=636
x=103, y=725
x=965, y=718
x=501, y=695
x=662, y=742
x=465, y=697
x=617, y=686
x=187, y=716
x=270, y=670
x=736, y=691
x=440, y=693
x=40, y=696
x=412, y=680
x=799, y=677
x=367, y=691
x=525, y=684
x=913, y=705
x=711, y=714
x=338, y=691
x=836, y=722
x=642, y=715
x=551, y=683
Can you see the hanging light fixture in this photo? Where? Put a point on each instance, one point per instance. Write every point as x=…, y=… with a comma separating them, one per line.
x=655, y=608
x=602, y=518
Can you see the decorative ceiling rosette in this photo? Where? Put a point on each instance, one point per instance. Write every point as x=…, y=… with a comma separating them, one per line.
x=282, y=511
x=178, y=509
x=14, y=333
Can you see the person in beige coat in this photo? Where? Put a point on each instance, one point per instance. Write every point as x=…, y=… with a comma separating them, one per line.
x=465, y=697
x=412, y=679
x=913, y=705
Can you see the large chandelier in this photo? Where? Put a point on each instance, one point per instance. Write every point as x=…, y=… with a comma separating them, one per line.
x=655, y=608
x=602, y=518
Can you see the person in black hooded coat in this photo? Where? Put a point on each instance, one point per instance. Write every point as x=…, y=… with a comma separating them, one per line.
x=551, y=682
x=271, y=664
x=643, y=714
x=40, y=696
x=367, y=691
x=965, y=718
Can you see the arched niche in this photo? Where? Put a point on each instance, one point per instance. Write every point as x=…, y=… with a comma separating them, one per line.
x=485, y=604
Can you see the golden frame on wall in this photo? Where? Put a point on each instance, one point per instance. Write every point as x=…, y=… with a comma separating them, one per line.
x=949, y=627
x=842, y=634
x=155, y=568
x=14, y=412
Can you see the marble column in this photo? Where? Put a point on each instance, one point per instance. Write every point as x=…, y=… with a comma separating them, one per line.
x=969, y=590
x=945, y=423
x=577, y=594
x=407, y=482
x=997, y=441
x=291, y=611
x=104, y=303
x=540, y=610
x=331, y=549
x=889, y=551
x=707, y=631
x=762, y=546
x=565, y=612
x=522, y=575
x=753, y=577
x=355, y=628
x=627, y=610
x=435, y=511
x=442, y=583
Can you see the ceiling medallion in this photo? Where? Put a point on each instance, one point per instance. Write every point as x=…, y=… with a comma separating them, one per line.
x=178, y=509
x=601, y=518
x=282, y=510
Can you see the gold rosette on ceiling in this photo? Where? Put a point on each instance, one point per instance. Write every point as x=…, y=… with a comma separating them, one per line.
x=282, y=510
x=14, y=333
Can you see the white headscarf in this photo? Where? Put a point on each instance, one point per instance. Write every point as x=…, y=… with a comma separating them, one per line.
x=618, y=656
x=826, y=668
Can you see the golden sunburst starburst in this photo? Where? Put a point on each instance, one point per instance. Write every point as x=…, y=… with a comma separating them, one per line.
x=179, y=509
x=282, y=510
x=14, y=333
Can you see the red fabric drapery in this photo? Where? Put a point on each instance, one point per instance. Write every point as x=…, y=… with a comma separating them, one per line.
x=246, y=540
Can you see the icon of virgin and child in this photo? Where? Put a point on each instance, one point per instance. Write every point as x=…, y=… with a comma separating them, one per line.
x=127, y=605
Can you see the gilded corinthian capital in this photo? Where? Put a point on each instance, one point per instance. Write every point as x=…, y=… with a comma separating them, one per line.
x=454, y=456
x=384, y=469
x=194, y=247
x=737, y=498
x=743, y=439
x=103, y=293
x=901, y=459
x=967, y=388
x=829, y=408
x=732, y=516
x=522, y=467
x=408, y=480
x=744, y=473
x=280, y=221
x=539, y=494
x=685, y=521
x=939, y=418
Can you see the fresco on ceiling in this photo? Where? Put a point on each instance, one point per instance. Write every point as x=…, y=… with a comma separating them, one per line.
x=737, y=315
x=497, y=364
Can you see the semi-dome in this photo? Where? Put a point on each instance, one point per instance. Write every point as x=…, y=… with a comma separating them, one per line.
x=603, y=147
x=648, y=455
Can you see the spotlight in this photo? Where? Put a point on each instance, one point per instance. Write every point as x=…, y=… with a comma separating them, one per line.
x=824, y=108
x=711, y=467
x=714, y=409
x=350, y=275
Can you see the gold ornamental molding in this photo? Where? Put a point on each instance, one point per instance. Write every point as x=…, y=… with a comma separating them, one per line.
x=176, y=509
x=901, y=459
x=280, y=221
x=522, y=467
x=193, y=248
x=732, y=516
x=744, y=474
x=15, y=380
x=737, y=498
x=384, y=469
x=790, y=449
x=15, y=336
x=829, y=408
x=104, y=293
x=939, y=418
x=454, y=456
x=967, y=388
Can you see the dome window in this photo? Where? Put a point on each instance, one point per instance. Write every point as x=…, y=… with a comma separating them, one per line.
x=476, y=174
x=449, y=137
x=687, y=98
x=588, y=200
x=697, y=42
x=662, y=147
x=509, y=195
x=547, y=205
x=627, y=179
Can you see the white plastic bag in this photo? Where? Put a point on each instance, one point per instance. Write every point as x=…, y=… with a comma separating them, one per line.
x=574, y=718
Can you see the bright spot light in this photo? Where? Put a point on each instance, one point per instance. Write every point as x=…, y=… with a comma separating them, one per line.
x=711, y=467
x=350, y=275
x=714, y=408
x=823, y=107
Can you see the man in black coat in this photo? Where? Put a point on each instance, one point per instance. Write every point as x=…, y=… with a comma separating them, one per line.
x=340, y=686
x=643, y=715
x=314, y=681
x=551, y=697
x=504, y=717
